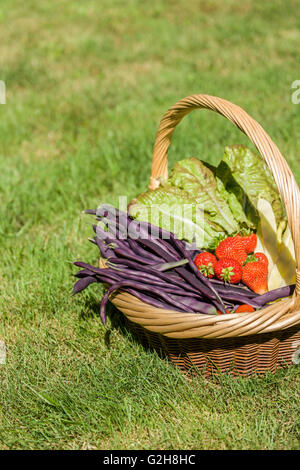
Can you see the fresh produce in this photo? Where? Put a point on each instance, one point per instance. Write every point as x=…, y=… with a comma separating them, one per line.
x=284, y=270
x=206, y=263
x=159, y=269
x=232, y=260
x=232, y=247
x=255, y=276
x=244, y=308
x=220, y=313
x=247, y=176
x=208, y=240
x=198, y=179
x=267, y=232
x=275, y=294
x=200, y=202
x=249, y=242
x=188, y=204
x=276, y=243
x=261, y=257
x=229, y=270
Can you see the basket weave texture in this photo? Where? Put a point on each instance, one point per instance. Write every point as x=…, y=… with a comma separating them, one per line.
x=241, y=344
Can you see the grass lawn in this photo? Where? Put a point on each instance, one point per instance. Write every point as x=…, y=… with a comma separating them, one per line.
x=87, y=83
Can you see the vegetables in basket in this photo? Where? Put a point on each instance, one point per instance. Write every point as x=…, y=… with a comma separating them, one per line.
x=277, y=245
x=159, y=269
x=226, y=212
x=238, y=195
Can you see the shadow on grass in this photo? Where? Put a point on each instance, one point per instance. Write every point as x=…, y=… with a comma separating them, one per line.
x=116, y=321
x=131, y=331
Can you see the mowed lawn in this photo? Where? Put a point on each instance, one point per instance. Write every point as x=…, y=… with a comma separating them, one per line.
x=87, y=83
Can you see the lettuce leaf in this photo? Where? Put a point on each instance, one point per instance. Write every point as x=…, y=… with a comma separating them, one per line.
x=246, y=176
x=198, y=179
x=233, y=203
x=175, y=210
x=188, y=204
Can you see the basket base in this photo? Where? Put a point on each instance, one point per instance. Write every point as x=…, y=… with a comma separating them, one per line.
x=241, y=356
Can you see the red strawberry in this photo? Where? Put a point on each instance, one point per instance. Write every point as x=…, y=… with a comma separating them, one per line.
x=249, y=242
x=261, y=257
x=229, y=270
x=206, y=263
x=233, y=248
x=255, y=276
x=244, y=308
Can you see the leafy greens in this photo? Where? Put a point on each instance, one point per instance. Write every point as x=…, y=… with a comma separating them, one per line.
x=201, y=203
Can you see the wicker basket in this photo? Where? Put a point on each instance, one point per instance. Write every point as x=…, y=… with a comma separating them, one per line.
x=241, y=344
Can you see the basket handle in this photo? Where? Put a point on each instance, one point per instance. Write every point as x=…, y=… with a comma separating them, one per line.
x=284, y=178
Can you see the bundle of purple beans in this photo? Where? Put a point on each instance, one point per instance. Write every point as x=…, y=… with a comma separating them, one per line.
x=157, y=268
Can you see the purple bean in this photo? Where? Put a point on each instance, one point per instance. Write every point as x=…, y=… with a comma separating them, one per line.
x=90, y=211
x=83, y=283
x=123, y=253
x=141, y=251
x=167, y=277
x=105, y=251
x=153, y=280
x=158, y=249
x=137, y=257
x=169, y=248
x=84, y=273
x=274, y=294
x=196, y=271
x=145, y=297
x=188, y=277
x=136, y=286
x=222, y=286
x=169, y=303
x=81, y=264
